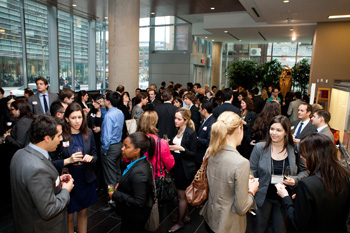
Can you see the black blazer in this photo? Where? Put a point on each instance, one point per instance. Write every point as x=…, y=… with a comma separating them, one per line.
x=135, y=190
x=309, y=129
x=225, y=107
x=19, y=133
x=189, y=142
x=315, y=210
x=245, y=148
x=195, y=117
x=65, y=152
x=204, y=138
x=166, y=120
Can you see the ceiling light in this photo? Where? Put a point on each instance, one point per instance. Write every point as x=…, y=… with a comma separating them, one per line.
x=206, y=37
x=294, y=38
x=106, y=17
x=213, y=40
x=286, y=1
x=74, y=5
x=291, y=29
x=226, y=31
x=338, y=16
x=212, y=8
x=152, y=13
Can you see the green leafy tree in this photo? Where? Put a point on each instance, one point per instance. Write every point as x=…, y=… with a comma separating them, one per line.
x=301, y=74
x=242, y=73
x=269, y=73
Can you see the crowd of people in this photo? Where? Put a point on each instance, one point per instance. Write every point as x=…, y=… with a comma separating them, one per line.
x=272, y=162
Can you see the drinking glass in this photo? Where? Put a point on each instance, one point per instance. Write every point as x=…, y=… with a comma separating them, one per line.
x=110, y=192
x=79, y=150
x=165, y=137
x=64, y=172
x=287, y=173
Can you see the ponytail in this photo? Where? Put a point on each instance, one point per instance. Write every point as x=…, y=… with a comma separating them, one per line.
x=218, y=138
x=152, y=148
x=190, y=124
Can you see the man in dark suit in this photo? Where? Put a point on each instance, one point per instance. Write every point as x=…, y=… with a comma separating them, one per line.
x=259, y=103
x=40, y=102
x=152, y=97
x=166, y=115
x=190, y=100
x=227, y=97
x=235, y=92
x=304, y=126
x=39, y=194
x=206, y=110
x=320, y=119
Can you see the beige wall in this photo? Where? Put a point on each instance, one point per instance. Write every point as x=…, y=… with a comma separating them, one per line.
x=331, y=54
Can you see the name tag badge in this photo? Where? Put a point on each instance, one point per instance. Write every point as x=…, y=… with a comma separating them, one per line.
x=93, y=115
x=275, y=179
x=65, y=144
x=34, y=103
x=205, y=128
x=57, y=182
x=291, y=128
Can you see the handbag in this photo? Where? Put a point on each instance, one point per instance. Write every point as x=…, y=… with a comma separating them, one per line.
x=166, y=189
x=152, y=223
x=197, y=192
x=131, y=125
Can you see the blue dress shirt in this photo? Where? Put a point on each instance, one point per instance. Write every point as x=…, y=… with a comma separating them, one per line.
x=112, y=128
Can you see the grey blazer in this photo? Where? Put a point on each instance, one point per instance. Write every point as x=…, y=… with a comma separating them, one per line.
x=260, y=164
x=327, y=131
x=38, y=200
x=228, y=200
x=37, y=108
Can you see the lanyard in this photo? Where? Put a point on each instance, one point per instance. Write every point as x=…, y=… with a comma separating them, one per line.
x=273, y=170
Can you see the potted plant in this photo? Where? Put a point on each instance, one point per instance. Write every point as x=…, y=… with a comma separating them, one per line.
x=269, y=73
x=301, y=74
x=242, y=73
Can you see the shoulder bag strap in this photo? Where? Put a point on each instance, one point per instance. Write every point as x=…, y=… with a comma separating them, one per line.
x=160, y=156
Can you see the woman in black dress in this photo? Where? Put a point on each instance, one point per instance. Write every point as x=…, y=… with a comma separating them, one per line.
x=184, y=150
x=79, y=153
x=248, y=118
x=134, y=192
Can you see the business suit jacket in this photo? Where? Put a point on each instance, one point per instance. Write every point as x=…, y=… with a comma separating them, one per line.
x=37, y=108
x=228, y=200
x=166, y=120
x=315, y=211
x=134, y=196
x=19, y=133
x=245, y=148
x=259, y=104
x=308, y=129
x=38, y=200
x=260, y=164
x=66, y=152
x=204, y=138
x=225, y=107
x=293, y=109
x=195, y=117
x=189, y=142
x=327, y=131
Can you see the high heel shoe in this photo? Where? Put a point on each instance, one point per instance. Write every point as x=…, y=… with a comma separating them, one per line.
x=172, y=229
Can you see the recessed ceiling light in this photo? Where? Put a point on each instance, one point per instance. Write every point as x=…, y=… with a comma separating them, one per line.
x=226, y=31
x=212, y=8
x=338, y=16
x=285, y=1
x=152, y=13
x=294, y=38
x=74, y=5
x=239, y=40
x=213, y=40
x=106, y=17
x=206, y=37
x=291, y=29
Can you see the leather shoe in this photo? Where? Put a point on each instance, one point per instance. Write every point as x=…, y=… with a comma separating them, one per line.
x=107, y=208
x=175, y=229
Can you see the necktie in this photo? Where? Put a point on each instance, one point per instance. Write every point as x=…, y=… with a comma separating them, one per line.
x=299, y=130
x=45, y=104
x=316, y=131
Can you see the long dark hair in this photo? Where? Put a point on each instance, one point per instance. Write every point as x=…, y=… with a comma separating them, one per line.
x=95, y=97
x=23, y=107
x=288, y=139
x=146, y=144
x=84, y=130
x=271, y=109
x=321, y=160
x=81, y=94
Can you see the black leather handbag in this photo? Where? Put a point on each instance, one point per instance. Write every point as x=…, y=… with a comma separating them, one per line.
x=166, y=189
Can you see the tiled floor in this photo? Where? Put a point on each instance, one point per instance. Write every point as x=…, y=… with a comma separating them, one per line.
x=109, y=222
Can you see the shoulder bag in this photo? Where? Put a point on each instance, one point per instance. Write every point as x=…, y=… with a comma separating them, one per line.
x=131, y=125
x=152, y=223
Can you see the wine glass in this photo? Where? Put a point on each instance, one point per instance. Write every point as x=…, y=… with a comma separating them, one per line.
x=165, y=137
x=110, y=192
x=287, y=173
x=79, y=150
x=65, y=171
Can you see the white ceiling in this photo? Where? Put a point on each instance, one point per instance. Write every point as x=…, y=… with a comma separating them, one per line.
x=273, y=21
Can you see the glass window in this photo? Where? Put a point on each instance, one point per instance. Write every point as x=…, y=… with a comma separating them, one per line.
x=182, y=37
x=164, y=20
x=144, y=57
x=36, y=41
x=64, y=49
x=81, y=28
x=144, y=21
x=284, y=49
x=100, y=40
x=12, y=77
x=305, y=49
x=164, y=38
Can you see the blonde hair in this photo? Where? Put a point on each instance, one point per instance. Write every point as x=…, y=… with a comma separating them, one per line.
x=186, y=114
x=225, y=125
x=264, y=95
x=148, y=122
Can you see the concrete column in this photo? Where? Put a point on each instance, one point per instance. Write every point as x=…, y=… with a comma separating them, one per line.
x=216, y=67
x=53, y=48
x=123, y=48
